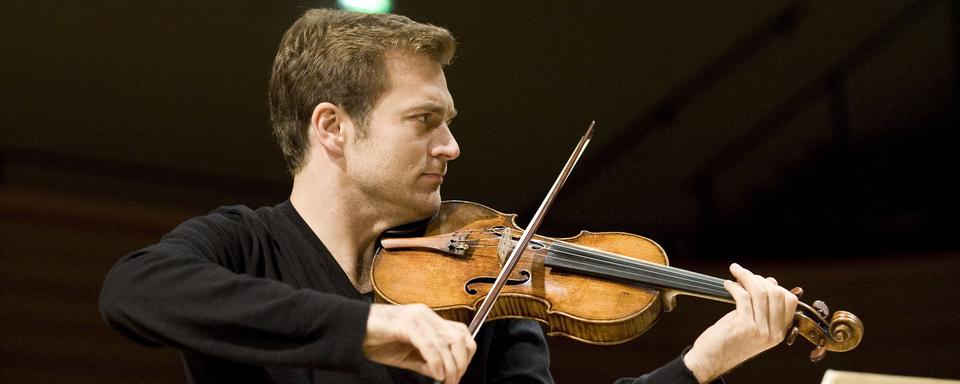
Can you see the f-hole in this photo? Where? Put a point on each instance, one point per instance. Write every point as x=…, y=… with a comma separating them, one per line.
x=491, y=280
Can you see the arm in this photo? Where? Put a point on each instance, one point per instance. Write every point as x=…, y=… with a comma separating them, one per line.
x=760, y=321
x=674, y=372
x=190, y=292
x=414, y=337
x=764, y=312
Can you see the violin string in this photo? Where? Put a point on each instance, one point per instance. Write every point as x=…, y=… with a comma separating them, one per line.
x=646, y=274
x=633, y=276
x=612, y=258
x=639, y=276
x=601, y=255
x=624, y=267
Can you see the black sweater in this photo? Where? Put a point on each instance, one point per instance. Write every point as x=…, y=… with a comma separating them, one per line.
x=254, y=296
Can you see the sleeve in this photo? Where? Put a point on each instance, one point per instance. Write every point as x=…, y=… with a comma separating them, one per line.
x=185, y=292
x=674, y=372
x=519, y=353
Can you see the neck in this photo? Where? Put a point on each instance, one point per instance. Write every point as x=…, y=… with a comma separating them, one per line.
x=612, y=266
x=349, y=229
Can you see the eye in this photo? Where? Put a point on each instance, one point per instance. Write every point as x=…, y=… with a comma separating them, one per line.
x=423, y=118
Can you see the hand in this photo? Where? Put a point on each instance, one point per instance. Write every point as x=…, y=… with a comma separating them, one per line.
x=760, y=321
x=414, y=337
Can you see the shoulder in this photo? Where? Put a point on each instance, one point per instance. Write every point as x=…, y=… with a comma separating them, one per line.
x=232, y=225
x=233, y=236
x=232, y=218
x=242, y=214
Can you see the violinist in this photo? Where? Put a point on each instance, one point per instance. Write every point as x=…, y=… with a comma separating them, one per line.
x=360, y=107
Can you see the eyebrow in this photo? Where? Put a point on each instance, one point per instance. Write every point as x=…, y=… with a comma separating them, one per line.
x=436, y=108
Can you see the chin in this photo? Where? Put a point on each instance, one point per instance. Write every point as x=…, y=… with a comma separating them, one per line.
x=425, y=206
x=433, y=204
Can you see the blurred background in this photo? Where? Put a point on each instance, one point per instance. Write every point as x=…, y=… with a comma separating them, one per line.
x=814, y=141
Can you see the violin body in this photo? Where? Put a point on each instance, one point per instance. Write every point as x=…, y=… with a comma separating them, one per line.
x=599, y=288
x=592, y=310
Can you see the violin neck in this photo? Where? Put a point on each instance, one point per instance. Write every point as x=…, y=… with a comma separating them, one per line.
x=607, y=265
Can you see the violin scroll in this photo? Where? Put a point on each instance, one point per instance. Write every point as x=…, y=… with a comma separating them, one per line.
x=841, y=333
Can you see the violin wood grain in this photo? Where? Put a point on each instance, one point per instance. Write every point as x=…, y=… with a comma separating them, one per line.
x=584, y=308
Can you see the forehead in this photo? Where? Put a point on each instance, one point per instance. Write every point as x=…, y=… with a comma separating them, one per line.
x=415, y=80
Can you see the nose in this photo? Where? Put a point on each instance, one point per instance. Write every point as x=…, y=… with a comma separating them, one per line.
x=446, y=146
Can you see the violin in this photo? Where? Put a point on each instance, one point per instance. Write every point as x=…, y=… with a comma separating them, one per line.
x=599, y=288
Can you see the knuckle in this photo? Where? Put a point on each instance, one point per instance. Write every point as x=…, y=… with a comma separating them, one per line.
x=763, y=295
x=741, y=294
x=763, y=334
x=453, y=338
x=777, y=295
x=762, y=299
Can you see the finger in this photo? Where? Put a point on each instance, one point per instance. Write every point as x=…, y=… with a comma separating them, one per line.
x=437, y=329
x=432, y=365
x=422, y=338
x=789, y=308
x=450, y=372
x=739, y=271
x=459, y=354
x=784, y=319
x=757, y=287
x=469, y=347
x=459, y=346
x=775, y=323
x=740, y=297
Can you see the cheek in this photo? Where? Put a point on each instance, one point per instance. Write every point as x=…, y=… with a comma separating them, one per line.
x=396, y=162
x=397, y=157
x=407, y=156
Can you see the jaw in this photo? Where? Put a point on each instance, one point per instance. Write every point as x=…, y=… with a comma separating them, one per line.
x=428, y=204
x=394, y=211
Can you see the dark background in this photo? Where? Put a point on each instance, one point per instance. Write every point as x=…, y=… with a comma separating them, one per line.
x=813, y=141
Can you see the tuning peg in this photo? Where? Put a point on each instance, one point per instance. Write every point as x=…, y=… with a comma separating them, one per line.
x=821, y=307
x=818, y=353
x=797, y=291
x=792, y=336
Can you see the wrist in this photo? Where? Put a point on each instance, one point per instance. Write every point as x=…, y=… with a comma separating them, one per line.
x=699, y=366
x=376, y=318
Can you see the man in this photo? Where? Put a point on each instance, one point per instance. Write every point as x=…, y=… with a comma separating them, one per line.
x=360, y=106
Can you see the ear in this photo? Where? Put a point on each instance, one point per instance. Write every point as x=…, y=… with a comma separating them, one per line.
x=325, y=128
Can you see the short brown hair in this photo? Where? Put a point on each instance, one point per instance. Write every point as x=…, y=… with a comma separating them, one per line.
x=338, y=57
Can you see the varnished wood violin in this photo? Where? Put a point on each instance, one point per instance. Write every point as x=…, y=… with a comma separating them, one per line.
x=600, y=288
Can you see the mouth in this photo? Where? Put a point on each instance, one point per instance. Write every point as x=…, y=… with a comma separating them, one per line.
x=434, y=176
